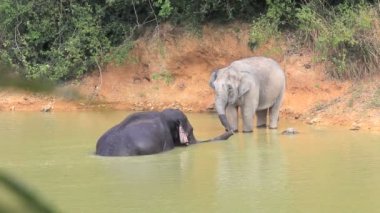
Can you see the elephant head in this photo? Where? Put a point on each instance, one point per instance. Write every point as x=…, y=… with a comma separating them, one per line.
x=229, y=85
x=180, y=127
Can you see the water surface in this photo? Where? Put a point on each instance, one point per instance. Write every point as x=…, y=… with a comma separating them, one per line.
x=320, y=170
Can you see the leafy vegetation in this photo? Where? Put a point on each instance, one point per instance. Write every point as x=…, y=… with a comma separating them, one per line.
x=343, y=35
x=55, y=39
x=62, y=40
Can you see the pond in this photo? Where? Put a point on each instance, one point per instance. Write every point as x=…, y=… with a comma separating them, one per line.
x=322, y=169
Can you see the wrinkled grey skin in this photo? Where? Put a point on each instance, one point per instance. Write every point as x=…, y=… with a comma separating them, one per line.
x=255, y=85
x=147, y=133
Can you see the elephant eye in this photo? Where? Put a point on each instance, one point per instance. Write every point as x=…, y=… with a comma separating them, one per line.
x=229, y=88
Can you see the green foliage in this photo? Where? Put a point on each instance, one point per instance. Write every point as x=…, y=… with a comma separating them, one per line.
x=344, y=36
x=165, y=8
x=120, y=53
x=62, y=40
x=163, y=75
x=262, y=30
x=278, y=14
x=222, y=10
x=58, y=40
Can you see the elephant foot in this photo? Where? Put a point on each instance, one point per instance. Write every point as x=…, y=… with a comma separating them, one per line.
x=249, y=131
x=273, y=127
x=261, y=126
x=235, y=131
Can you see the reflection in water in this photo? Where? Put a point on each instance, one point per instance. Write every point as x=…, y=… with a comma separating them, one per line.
x=319, y=170
x=253, y=177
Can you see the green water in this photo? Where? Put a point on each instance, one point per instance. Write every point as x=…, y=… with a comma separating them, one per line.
x=320, y=170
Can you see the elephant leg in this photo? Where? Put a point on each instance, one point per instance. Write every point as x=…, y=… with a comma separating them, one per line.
x=275, y=111
x=232, y=117
x=262, y=118
x=247, y=113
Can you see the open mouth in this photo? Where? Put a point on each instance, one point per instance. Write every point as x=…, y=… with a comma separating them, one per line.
x=183, y=137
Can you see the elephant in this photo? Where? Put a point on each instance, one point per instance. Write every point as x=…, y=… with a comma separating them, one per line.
x=255, y=85
x=145, y=133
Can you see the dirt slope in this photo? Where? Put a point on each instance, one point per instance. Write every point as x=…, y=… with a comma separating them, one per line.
x=171, y=68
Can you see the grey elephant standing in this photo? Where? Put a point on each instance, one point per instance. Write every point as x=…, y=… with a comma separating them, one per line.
x=255, y=85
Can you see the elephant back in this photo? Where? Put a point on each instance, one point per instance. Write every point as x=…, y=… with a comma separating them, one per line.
x=258, y=65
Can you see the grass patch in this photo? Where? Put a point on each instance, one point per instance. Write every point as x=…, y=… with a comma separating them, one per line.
x=356, y=93
x=319, y=106
x=350, y=102
x=375, y=102
x=163, y=75
x=141, y=95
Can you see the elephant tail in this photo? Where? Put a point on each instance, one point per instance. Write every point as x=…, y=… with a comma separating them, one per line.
x=221, y=137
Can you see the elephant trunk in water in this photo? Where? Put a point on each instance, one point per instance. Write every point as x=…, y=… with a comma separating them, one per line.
x=187, y=140
x=223, y=136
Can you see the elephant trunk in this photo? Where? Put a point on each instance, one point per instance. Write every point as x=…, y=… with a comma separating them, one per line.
x=193, y=140
x=223, y=136
x=220, y=106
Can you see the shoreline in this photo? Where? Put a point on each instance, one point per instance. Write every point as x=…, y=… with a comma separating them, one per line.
x=40, y=106
x=178, y=78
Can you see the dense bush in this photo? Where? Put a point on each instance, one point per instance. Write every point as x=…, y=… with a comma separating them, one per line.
x=57, y=39
x=61, y=39
x=344, y=34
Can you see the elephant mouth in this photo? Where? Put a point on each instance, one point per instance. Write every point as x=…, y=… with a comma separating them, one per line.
x=183, y=136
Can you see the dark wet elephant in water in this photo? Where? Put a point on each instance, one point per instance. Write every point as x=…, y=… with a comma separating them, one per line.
x=147, y=133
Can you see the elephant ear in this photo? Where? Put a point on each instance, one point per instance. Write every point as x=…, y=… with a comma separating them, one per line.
x=183, y=136
x=213, y=77
x=244, y=86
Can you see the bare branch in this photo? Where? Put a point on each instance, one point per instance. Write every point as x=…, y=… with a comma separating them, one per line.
x=100, y=73
x=155, y=17
x=99, y=86
x=134, y=9
x=17, y=32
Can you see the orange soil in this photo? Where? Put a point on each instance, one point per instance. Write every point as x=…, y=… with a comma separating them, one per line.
x=310, y=95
